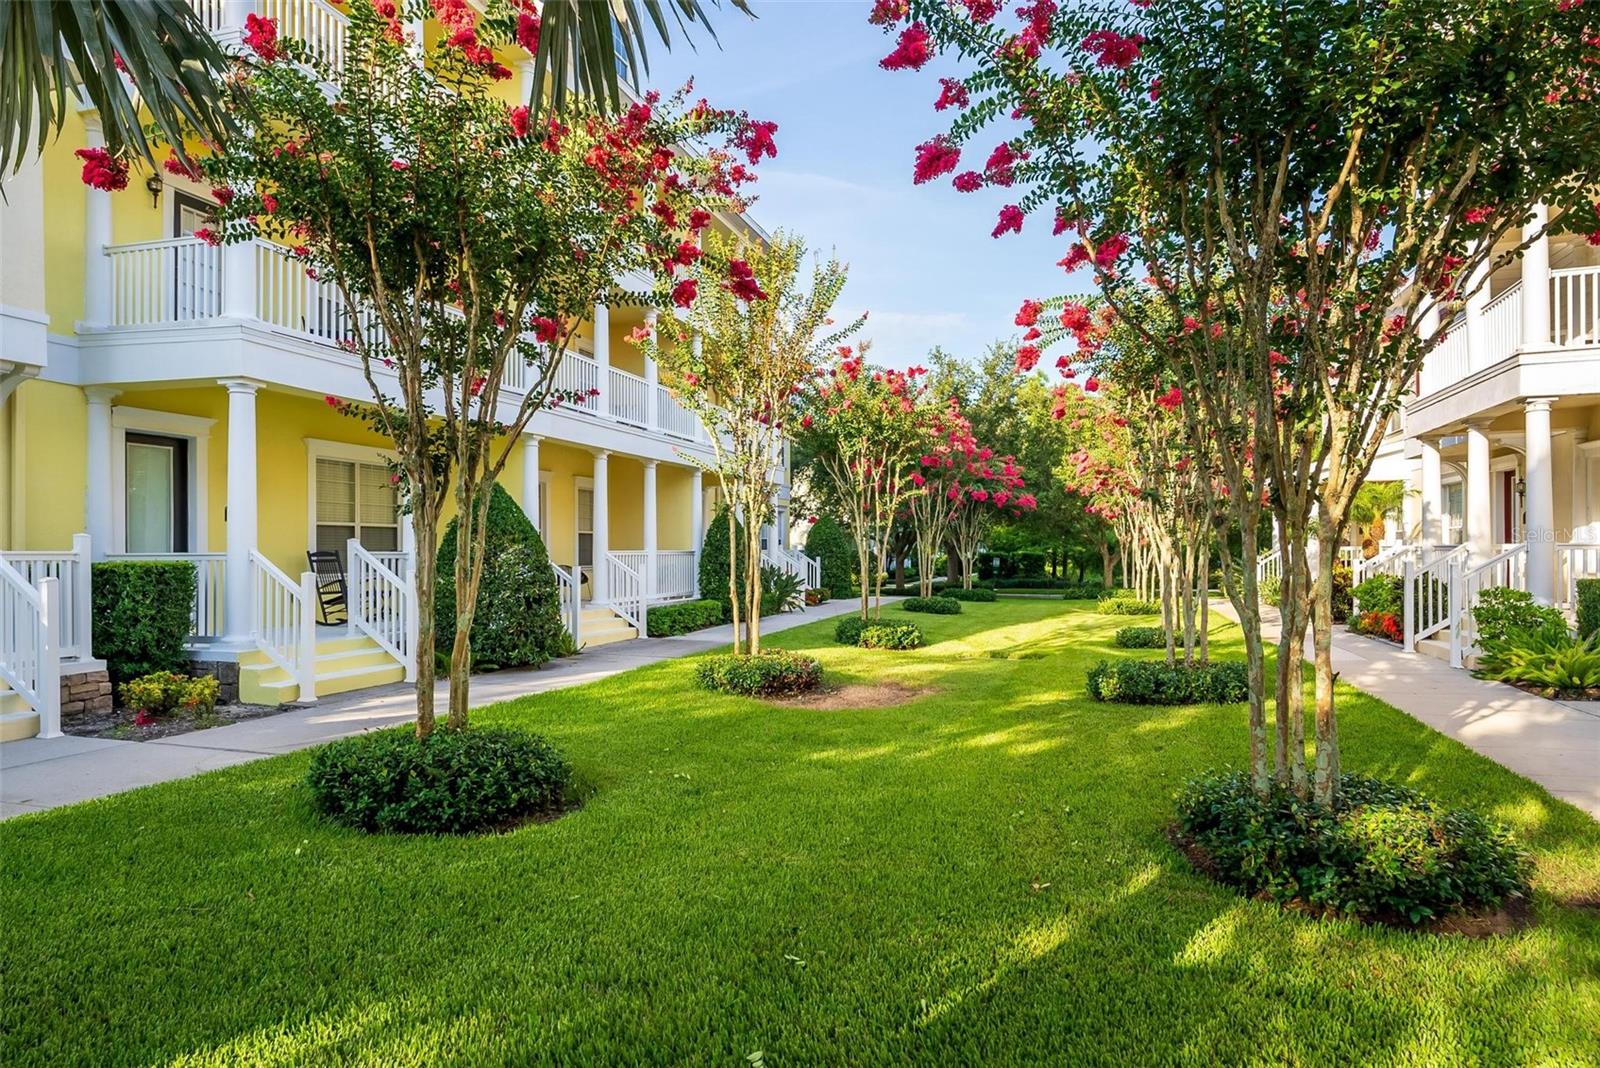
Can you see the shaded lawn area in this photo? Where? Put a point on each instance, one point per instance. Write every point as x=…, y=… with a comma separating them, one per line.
x=979, y=875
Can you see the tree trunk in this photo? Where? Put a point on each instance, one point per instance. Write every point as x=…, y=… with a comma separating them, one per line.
x=1325, y=781
x=424, y=576
x=752, y=570
x=733, y=576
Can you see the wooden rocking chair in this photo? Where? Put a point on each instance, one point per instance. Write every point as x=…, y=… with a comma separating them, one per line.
x=331, y=589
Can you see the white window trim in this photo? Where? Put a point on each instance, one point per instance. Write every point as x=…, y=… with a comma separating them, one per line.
x=541, y=509
x=322, y=449
x=579, y=484
x=194, y=429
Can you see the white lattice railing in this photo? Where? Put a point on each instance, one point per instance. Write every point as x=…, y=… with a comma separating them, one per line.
x=74, y=637
x=29, y=660
x=1428, y=607
x=674, y=574
x=282, y=622
x=673, y=418
x=1574, y=561
x=173, y=281
x=628, y=397
x=625, y=590
x=1507, y=569
x=1575, y=306
x=381, y=603
x=571, y=602
x=209, y=618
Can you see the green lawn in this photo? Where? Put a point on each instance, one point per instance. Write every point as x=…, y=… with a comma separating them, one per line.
x=977, y=876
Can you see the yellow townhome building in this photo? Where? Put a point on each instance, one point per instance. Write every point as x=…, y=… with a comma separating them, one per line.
x=164, y=398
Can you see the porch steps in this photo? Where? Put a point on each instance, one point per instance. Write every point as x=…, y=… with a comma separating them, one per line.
x=602, y=626
x=17, y=720
x=343, y=664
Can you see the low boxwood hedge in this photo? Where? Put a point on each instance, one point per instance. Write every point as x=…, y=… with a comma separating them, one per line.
x=1154, y=682
x=1140, y=638
x=452, y=782
x=1382, y=852
x=773, y=673
x=937, y=606
x=848, y=630
x=143, y=611
x=975, y=594
x=1125, y=604
x=884, y=635
x=665, y=620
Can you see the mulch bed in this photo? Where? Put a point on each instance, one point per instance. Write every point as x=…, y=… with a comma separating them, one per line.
x=119, y=723
x=856, y=695
x=1591, y=694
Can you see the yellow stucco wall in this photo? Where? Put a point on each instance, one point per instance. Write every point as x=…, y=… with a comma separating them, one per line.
x=46, y=451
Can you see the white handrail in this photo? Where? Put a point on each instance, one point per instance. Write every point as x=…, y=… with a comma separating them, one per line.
x=1575, y=306
x=172, y=281
x=1269, y=566
x=22, y=639
x=1574, y=561
x=626, y=590
x=281, y=622
x=673, y=418
x=675, y=574
x=571, y=602
x=380, y=604
x=74, y=638
x=1508, y=569
x=1427, y=595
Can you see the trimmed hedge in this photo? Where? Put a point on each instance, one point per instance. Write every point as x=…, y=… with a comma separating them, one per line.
x=835, y=550
x=1124, y=604
x=452, y=782
x=890, y=636
x=1383, y=594
x=1588, y=607
x=714, y=551
x=143, y=613
x=848, y=630
x=1140, y=638
x=1382, y=852
x=665, y=620
x=1083, y=591
x=774, y=673
x=975, y=594
x=1154, y=682
x=935, y=606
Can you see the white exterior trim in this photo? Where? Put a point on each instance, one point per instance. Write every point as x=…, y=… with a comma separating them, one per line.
x=24, y=335
x=321, y=448
x=192, y=428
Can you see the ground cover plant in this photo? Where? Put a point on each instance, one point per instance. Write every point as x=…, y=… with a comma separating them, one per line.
x=1152, y=682
x=890, y=636
x=1140, y=638
x=778, y=673
x=938, y=606
x=977, y=874
x=1120, y=604
x=976, y=594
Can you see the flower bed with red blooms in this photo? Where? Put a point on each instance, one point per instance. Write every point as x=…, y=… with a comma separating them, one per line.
x=1379, y=625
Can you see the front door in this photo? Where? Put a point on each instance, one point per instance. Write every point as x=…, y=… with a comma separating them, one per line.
x=157, y=493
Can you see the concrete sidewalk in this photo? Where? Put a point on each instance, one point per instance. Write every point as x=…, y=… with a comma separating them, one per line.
x=43, y=773
x=1554, y=743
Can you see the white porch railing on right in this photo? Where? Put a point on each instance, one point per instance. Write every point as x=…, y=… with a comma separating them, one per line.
x=1269, y=566
x=283, y=622
x=673, y=418
x=625, y=587
x=1427, y=595
x=806, y=568
x=674, y=574
x=571, y=594
x=209, y=620
x=628, y=397
x=382, y=604
x=1574, y=561
x=29, y=660
x=1506, y=569
x=1449, y=360
x=1390, y=561
x=173, y=281
x=74, y=638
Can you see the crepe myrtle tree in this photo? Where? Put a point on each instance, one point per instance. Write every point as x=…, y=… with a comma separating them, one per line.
x=1344, y=173
x=863, y=426
x=948, y=447
x=749, y=338
x=464, y=245
x=989, y=488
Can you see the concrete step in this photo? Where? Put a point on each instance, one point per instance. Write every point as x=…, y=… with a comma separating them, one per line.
x=17, y=720
x=343, y=664
x=601, y=626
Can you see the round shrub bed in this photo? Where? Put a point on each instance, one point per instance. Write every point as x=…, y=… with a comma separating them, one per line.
x=452, y=782
x=935, y=606
x=1140, y=638
x=1383, y=853
x=848, y=630
x=978, y=594
x=1124, y=604
x=890, y=636
x=1154, y=682
x=775, y=673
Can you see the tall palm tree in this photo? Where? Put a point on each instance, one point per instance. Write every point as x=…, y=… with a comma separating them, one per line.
x=49, y=48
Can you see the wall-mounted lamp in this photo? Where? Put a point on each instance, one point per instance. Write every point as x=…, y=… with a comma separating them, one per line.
x=154, y=185
x=1522, y=486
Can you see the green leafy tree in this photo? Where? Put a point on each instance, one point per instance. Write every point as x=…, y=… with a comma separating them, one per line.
x=832, y=547
x=718, y=566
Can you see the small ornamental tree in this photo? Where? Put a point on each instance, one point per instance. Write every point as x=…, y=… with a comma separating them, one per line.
x=948, y=449
x=749, y=338
x=863, y=428
x=987, y=489
x=462, y=242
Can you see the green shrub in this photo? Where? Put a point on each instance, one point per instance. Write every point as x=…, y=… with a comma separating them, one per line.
x=1549, y=658
x=714, y=562
x=1383, y=852
x=1502, y=612
x=665, y=620
x=956, y=593
x=1383, y=594
x=780, y=589
x=937, y=606
x=848, y=630
x=1140, y=638
x=143, y=615
x=517, y=622
x=773, y=673
x=1271, y=590
x=833, y=547
x=1154, y=682
x=1125, y=604
x=453, y=782
x=890, y=636
x=161, y=693
x=1342, y=577
x=1589, y=607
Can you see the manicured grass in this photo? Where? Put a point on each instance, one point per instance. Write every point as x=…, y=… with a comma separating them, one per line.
x=980, y=875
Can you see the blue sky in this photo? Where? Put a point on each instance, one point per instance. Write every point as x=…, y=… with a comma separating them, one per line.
x=921, y=258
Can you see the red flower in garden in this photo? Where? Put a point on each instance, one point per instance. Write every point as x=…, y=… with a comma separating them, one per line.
x=1075, y=317
x=261, y=37
x=1112, y=49
x=102, y=170
x=544, y=329
x=982, y=11
x=742, y=282
x=934, y=158
x=1076, y=257
x=222, y=194
x=699, y=219
x=1091, y=385
x=1028, y=314
x=1171, y=399
x=1001, y=164
x=1027, y=358
x=518, y=118
x=528, y=31
x=684, y=292
x=967, y=181
x=1110, y=250
x=1010, y=220
x=173, y=165
x=755, y=139
x=951, y=94
x=209, y=236
x=687, y=253
x=912, y=51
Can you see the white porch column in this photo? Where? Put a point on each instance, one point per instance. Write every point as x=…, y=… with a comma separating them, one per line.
x=602, y=525
x=1432, y=495
x=697, y=522
x=652, y=376
x=650, y=539
x=97, y=472
x=96, y=236
x=1540, y=528
x=241, y=513
x=1536, y=281
x=602, y=356
x=530, y=480
x=1480, y=517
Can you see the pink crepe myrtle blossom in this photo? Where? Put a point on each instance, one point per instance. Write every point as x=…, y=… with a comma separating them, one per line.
x=102, y=170
x=912, y=51
x=1028, y=314
x=951, y=94
x=1111, y=49
x=967, y=181
x=935, y=157
x=261, y=37
x=1010, y=220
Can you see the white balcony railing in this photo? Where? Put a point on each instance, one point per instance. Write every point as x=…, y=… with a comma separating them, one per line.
x=674, y=574
x=286, y=297
x=1575, y=306
x=173, y=281
x=628, y=397
x=321, y=26
x=673, y=418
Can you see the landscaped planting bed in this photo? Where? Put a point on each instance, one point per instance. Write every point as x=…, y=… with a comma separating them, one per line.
x=979, y=874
